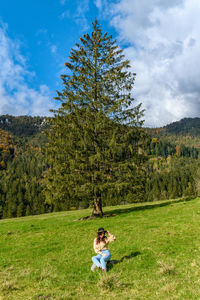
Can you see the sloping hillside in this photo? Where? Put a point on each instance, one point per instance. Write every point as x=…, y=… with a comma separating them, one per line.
x=184, y=132
x=23, y=126
x=186, y=126
x=156, y=254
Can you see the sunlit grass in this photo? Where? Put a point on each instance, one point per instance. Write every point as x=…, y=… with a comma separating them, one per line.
x=157, y=254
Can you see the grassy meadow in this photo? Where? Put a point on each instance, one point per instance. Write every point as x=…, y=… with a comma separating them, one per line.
x=157, y=253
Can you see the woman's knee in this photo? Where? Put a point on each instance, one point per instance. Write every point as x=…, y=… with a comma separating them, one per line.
x=107, y=257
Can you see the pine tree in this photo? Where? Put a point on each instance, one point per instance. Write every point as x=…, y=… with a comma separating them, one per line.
x=95, y=143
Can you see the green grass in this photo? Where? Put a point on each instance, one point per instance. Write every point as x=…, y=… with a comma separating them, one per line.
x=157, y=249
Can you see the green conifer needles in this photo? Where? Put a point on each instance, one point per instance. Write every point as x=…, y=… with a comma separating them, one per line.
x=96, y=140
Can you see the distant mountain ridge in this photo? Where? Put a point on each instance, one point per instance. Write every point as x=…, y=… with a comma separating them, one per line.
x=184, y=127
x=27, y=126
x=190, y=126
x=23, y=126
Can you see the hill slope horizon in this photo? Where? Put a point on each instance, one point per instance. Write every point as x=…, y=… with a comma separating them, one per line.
x=185, y=126
x=29, y=126
x=156, y=254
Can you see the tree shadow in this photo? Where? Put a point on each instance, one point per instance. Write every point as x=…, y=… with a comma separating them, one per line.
x=110, y=263
x=120, y=211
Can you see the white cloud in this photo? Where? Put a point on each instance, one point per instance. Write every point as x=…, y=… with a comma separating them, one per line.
x=163, y=46
x=80, y=14
x=99, y=4
x=16, y=96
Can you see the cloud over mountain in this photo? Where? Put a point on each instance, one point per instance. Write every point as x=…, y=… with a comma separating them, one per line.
x=163, y=43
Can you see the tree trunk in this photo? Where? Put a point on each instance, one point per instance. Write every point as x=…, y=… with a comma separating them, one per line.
x=97, y=211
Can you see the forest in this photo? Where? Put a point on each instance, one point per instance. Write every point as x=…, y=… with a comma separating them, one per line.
x=171, y=170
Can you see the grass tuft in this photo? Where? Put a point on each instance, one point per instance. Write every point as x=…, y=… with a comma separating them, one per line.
x=8, y=286
x=166, y=269
x=169, y=288
x=109, y=282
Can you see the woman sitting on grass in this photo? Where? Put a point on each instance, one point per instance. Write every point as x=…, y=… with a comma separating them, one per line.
x=100, y=247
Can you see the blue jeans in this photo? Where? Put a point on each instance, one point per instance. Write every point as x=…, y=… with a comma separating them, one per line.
x=100, y=260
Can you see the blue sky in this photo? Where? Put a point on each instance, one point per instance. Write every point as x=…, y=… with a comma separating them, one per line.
x=46, y=31
x=157, y=36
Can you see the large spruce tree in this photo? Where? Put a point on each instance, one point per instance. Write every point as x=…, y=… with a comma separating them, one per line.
x=95, y=143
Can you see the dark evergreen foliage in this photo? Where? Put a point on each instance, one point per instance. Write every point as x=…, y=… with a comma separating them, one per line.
x=23, y=126
x=20, y=186
x=171, y=172
x=96, y=143
x=162, y=147
x=171, y=178
x=185, y=126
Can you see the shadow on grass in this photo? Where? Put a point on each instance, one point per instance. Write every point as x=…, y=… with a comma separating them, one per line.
x=126, y=257
x=120, y=211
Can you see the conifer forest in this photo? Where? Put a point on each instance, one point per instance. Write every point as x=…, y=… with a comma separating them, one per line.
x=171, y=171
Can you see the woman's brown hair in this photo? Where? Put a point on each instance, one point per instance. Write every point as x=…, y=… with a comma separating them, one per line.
x=100, y=239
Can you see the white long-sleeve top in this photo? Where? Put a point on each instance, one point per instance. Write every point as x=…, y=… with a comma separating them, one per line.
x=103, y=244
